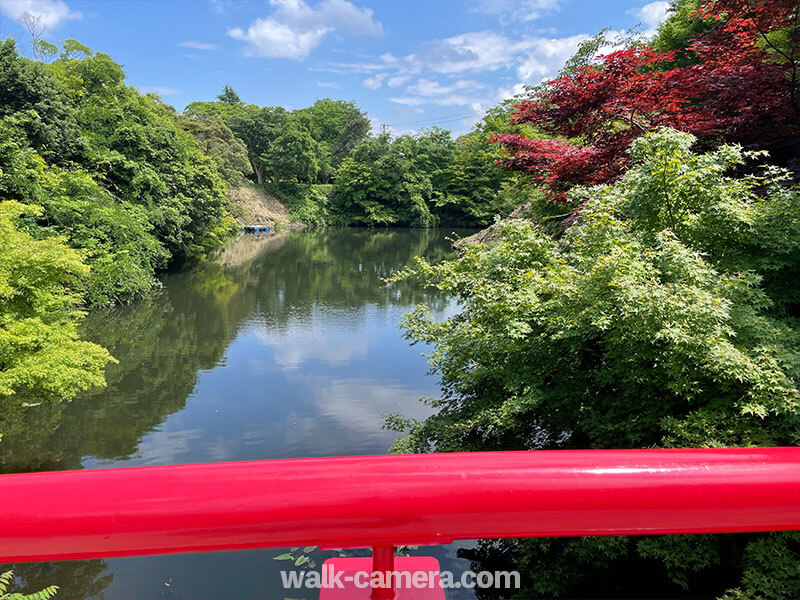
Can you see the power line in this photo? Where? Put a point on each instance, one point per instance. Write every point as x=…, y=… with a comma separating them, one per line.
x=435, y=121
x=426, y=121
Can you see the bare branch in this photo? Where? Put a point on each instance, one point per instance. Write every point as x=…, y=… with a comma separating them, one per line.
x=33, y=23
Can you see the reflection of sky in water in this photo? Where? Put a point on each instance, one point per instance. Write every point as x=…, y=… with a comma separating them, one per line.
x=316, y=386
x=301, y=376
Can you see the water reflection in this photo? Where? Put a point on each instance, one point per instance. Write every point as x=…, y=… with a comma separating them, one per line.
x=283, y=347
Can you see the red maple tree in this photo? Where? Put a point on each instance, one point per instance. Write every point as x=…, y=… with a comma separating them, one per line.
x=742, y=87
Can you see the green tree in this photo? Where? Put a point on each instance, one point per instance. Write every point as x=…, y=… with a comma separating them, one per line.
x=292, y=155
x=41, y=357
x=114, y=172
x=430, y=152
x=680, y=26
x=229, y=96
x=259, y=128
x=338, y=126
x=676, y=32
x=217, y=140
x=662, y=317
x=420, y=180
x=39, y=103
x=135, y=146
x=122, y=248
x=380, y=185
x=6, y=580
x=472, y=194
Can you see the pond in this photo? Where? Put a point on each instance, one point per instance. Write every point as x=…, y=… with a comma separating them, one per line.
x=283, y=346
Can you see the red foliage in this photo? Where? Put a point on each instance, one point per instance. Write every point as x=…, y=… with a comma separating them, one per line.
x=742, y=89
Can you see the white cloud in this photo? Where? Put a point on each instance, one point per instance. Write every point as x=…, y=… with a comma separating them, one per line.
x=267, y=37
x=534, y=58
x=446, y=72
x=511, y=91
x=52, y=12
x=375, y=81
x=398, y=80
x=449, y=100
x=474, y=51
x=198, y=45
x=219, y=6
x=340, y=15
x=542, y=58
x=510, y=11
x=408, y=101
x=294, y=28
x=651, y=15
x=434, y=75
x=428, y=87
x=350, y=68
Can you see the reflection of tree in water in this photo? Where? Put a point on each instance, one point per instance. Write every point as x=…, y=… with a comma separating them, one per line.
x=76, y=579
x=161, y=344
x=340, y=269
x=247, y=248
x=160, y=349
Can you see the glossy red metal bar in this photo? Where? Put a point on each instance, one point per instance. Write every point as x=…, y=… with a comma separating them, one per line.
x=390, y=500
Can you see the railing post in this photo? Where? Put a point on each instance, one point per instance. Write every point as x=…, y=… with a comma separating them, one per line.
x=383, y=562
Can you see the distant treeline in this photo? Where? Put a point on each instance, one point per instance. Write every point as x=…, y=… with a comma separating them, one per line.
x=415, y=180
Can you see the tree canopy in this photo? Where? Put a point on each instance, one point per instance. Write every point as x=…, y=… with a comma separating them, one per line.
x=735, y=80
x=661, y=318
x=419, y=180
x=113, y=170
x=41, y=357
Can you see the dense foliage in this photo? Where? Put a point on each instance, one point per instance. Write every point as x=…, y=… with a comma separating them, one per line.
x=217, y=141
x=665, y=316
x=416, y=180
x=650, y=298
x=112, y=169
x=732, y=77
x=304, y=146
x=647, y=299
x=100, y=188
x=41, y=357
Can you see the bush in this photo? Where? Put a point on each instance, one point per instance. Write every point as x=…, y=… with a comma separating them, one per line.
x=306, y=203
x=662, y=318
x=41, y=357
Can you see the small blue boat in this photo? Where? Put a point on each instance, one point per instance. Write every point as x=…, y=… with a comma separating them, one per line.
x=256, y=228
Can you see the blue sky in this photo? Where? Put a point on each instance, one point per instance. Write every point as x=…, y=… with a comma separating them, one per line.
x=407, y=63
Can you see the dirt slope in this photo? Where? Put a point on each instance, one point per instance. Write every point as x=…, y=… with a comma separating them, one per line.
x=251, y=206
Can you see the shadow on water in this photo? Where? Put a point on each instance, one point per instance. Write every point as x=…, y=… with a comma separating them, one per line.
x=281, y=347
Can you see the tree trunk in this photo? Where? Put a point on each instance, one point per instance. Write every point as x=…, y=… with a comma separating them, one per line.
x=259, y=171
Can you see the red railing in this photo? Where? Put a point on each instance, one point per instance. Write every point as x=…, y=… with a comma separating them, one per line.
x=391, y=500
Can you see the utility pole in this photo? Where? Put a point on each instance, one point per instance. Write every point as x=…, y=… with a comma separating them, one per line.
x=384, y=128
